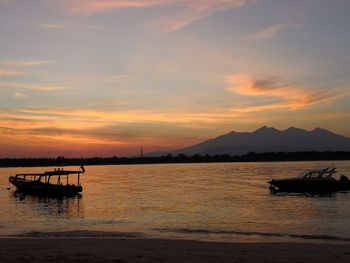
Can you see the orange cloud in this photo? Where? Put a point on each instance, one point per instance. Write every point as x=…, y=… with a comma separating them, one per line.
x=286, y=96
x=101, y=117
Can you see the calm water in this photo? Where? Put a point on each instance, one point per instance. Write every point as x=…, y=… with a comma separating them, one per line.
x=228, y=202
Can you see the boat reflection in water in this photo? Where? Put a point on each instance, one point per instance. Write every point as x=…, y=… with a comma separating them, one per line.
x=65, y=207
x=312, y=181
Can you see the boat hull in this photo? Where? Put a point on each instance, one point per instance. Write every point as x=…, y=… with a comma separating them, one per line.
x=311, y=186
x=40, y=188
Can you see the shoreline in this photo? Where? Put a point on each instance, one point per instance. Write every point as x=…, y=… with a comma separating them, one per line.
x=210, y=236
x=119, y=249
x=303, y=156
x=159, y=163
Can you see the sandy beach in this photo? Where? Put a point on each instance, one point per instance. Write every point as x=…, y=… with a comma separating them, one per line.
x=162, y=250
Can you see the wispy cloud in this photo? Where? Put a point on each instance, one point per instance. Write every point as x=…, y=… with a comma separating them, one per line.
x=188, y=11
x=194, y=10
x=94, y=6
x=132, y=116
x=52, y=26
x=23, y=63
x=116, y=78
x=14, y=68
x=31, y=86
x=20, y=95
x=272, y=31
x=10, y=73
x=284, y=95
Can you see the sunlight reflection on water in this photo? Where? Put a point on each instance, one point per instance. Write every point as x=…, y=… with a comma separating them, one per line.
x=198, y=201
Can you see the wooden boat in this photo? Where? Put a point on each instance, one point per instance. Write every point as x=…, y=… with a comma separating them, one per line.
x=312, y=181
x=54, y=182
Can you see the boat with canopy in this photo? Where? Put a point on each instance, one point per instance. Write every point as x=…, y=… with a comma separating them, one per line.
x=56, y=182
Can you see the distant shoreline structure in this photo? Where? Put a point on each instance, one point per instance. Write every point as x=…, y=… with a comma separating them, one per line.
x=181, y=158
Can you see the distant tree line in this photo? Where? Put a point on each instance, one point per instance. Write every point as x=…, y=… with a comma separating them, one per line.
x=181, y=158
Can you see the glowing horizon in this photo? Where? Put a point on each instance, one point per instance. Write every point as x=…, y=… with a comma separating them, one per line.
x=102, y=77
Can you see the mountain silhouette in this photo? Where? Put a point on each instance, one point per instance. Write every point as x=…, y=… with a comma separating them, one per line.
x=269, y=139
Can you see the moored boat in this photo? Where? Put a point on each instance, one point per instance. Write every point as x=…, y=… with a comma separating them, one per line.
x=54, y=182
x=312, y=181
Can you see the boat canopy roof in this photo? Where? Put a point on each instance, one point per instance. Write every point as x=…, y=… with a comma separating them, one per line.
x=57, y=172
x=322, y=173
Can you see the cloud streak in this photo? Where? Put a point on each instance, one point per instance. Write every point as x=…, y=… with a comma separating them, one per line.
x=31, y=86
x=194, y=10
x=52, y=26
x=23, y=63
x=283, y=96
x=272, y=31
x=10, y=73
x=116, y=78
x=95, y=6
x=188, y=11
x=20, y=95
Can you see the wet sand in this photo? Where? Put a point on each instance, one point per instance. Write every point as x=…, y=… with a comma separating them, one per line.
x=162, y=250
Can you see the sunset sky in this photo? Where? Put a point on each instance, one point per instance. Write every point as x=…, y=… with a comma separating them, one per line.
x=101, y=78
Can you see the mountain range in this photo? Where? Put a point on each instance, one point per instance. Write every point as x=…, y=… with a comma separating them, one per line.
x=268, y=139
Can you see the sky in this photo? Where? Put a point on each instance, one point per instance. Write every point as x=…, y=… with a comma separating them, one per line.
x=100, y=78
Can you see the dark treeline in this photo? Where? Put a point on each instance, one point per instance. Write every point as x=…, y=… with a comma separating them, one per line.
x=249, y=157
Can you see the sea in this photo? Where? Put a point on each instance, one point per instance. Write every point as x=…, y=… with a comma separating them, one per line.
x=228, y=202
